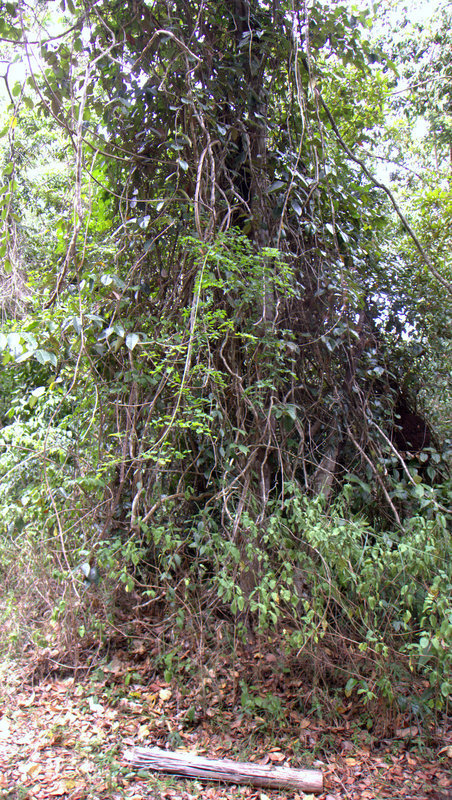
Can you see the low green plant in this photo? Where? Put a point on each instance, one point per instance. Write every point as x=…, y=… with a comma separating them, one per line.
x=259, y=705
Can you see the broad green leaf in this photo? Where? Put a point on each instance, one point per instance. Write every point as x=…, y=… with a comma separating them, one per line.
x=25, y=356
x=39, y=391
x=275, y=186
x=14, y=344
x=45, y=357
x=132, y=340
x=77, y=324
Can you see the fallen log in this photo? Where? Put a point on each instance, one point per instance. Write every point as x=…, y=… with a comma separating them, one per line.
x=187, y=765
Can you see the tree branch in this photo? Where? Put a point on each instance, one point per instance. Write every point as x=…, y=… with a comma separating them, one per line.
x=447, y=285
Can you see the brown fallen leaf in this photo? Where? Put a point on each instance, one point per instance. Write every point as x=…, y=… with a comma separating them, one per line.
x=116, y=666
x=144, y=731
x=56, y=789
x=276, y=756
x=30, y=769
x=27, y=701
x=403, y=733
x=5, y=725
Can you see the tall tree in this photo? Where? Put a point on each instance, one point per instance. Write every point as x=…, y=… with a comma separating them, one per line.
x=220, y=284
x=210, y=120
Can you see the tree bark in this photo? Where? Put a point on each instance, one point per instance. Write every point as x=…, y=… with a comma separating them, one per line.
x=220, y=769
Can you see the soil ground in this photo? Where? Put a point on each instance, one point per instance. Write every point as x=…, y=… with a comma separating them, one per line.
x=66, y=737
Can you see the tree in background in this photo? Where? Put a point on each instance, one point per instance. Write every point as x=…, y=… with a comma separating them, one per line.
x=419, y=140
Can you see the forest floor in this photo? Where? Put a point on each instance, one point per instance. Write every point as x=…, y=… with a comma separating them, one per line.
x=65, y=737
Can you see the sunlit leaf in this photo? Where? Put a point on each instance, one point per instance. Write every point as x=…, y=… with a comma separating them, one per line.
x=132, y=340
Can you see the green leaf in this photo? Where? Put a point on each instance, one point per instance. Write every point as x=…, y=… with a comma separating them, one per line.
x=25, y=356
x=45, y=357
x=243, y=448
x=275, y=186
x=77, y=324
x=14, y=344
x=132, y=340
x=291, y=411
x=39, y=391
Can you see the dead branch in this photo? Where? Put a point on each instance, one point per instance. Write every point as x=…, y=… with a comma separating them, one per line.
x=188, y=765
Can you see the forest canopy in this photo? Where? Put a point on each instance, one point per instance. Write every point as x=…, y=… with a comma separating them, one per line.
x=226, y=303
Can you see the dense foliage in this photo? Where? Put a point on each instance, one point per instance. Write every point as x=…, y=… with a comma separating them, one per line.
x=224, y=342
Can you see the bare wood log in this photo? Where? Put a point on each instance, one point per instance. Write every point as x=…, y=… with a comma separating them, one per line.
x=222, y=769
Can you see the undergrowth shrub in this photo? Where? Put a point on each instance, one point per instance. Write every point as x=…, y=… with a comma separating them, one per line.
x=324, y=579
x=156, y=481
x=49, y=494
x=389, y=592
x=315, y=575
